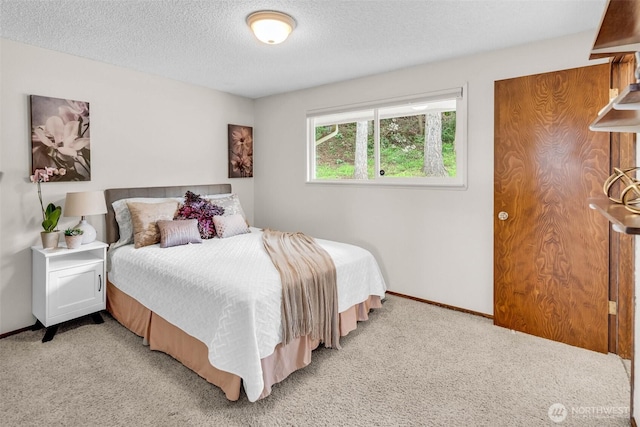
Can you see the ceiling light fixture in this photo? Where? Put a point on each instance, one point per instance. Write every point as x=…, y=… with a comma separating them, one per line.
x=271, y=27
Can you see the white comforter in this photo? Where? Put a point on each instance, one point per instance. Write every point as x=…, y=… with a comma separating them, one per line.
x=227, y=294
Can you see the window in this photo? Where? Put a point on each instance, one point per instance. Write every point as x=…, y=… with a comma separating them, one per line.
x=418, y=140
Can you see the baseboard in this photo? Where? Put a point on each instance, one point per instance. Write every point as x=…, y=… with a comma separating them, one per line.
x=439, y=304
x=633, y=422
x=8, y=334
x=450, y=307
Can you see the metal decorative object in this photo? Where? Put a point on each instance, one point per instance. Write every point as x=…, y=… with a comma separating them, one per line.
x=630, y=193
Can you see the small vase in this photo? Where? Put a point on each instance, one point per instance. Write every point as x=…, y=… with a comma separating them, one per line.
x=73, y=242
x=50, y=239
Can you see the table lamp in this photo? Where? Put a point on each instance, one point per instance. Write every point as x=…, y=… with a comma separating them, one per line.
x=82, y=204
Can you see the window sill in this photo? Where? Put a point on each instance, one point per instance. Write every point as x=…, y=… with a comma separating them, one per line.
x=393, y=182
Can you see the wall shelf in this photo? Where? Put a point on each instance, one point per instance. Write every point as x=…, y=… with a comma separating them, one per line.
x=620, y=218
x=619, y=30
x=612, y=119
x=629, y=99
x=619, y=34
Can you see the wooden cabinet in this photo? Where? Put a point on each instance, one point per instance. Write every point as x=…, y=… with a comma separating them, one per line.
x=619, y=35
x=67, y=283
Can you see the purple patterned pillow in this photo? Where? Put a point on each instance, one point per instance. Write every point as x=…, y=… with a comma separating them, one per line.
x=195, y=207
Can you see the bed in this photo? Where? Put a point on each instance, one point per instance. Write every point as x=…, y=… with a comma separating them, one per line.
x=215, y=306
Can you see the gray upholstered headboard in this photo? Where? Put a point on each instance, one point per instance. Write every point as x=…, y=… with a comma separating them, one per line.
x=113, y=194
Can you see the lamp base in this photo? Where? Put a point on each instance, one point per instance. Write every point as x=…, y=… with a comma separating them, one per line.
x=89, y=233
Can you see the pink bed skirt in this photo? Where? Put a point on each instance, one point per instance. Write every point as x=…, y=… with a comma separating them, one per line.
x=165, y=337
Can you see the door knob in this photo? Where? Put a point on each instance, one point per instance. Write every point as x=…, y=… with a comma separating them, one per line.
x=502, y=216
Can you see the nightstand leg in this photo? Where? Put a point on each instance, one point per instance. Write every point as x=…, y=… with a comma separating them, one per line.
x=97, y=319
x=51, y=331
x=37, y=326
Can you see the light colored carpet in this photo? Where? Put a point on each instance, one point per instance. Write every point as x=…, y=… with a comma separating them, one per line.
x=410, y=364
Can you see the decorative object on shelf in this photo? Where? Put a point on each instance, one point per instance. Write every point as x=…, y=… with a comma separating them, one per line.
x=50, y=215
x=60, y=137
x=73, y=237
x=240, y=151
x=630, y=188
x=83, y=204
x=271, y=27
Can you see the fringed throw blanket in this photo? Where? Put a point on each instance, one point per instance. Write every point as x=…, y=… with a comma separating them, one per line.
x=309, y=290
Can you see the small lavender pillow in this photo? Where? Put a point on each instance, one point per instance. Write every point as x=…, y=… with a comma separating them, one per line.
x=178, y=232
x=232, y=225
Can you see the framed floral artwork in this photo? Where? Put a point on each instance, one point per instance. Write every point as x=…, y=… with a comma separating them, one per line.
x=60, y=138
x=240, y=151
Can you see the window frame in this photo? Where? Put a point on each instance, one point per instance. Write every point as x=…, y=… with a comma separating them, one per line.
x=457, y=182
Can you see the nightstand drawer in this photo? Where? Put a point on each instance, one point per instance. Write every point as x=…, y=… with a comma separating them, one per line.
x=74, y=292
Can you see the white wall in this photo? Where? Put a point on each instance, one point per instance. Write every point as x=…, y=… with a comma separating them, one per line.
x=432, y=244
x=146, y=131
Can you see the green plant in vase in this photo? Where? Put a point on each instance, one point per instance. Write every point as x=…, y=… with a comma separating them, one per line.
x=73, y=232
x=50, y=215
x=73, y=237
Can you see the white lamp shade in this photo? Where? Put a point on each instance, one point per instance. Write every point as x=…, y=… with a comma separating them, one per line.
x=82, y=204
x=271, y=27
x=85, y=203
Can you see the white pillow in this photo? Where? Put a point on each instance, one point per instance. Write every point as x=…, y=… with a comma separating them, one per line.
x=230, y=202
x=230, y=225
x=123, y=216
x=218, y=196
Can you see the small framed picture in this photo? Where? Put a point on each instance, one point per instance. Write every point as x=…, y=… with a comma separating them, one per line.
x=240, y=151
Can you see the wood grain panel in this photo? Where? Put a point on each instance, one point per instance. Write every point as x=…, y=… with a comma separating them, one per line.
x=622, y=257
x=551, y=254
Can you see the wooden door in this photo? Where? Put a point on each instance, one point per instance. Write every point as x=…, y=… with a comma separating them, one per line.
x=551, y=252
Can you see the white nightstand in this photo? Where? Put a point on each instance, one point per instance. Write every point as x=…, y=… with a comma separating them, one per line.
x=68, y=283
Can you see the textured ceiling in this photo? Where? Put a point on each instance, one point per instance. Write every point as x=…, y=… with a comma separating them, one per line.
x=207, y=43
